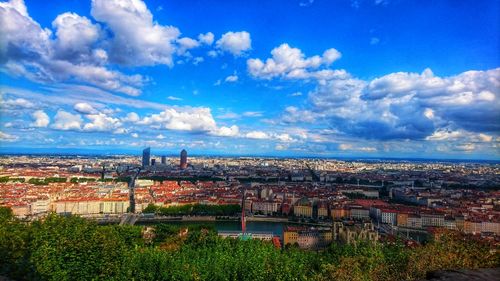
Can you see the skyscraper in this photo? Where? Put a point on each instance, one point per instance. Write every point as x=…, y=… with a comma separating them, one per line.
x=146, y=155
x=184, y=158
x=164, y=160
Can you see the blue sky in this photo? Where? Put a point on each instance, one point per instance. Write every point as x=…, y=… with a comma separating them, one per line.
x=300, y=78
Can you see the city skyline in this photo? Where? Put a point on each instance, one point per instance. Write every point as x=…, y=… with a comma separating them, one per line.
x=324, y=79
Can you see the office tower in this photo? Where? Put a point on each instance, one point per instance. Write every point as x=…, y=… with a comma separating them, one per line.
x=146, y=154
x=164, y=160
x=184, y=157
x=153, y=162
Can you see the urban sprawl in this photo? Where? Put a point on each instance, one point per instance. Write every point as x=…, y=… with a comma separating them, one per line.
x=319, y=200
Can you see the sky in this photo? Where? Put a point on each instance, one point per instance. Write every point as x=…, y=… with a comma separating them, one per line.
x=345, y=78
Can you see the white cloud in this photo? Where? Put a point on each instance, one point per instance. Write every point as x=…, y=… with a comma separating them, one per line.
x=41, y=119
x=291, y=63
x=22, y=37
x=231, y=78
x=223, y=131
x=16, y=103
x=75, y=37
x=84, y=108
x=331, y=55
x=296, y=94
x=406, y=106
x=174, y=98
x=280, y=146
x=134, y=135
x=131, y=117
x=345, y=146
x=257, y=135
x=101, y=122
x=284, y=137
x=66, y=121
x=8, y=137
x=465, y=147
x=186, y=43
x=252, y=114
x=187, y=119
x=27, y=50
x=160, y=136
x=485, y=138
x=235, y=43
x=138, y=39
x=207, y=38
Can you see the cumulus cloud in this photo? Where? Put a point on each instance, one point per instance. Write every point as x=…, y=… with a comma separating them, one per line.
x=26, y=49
x=76, y=36
x=84, y=108
x=223, y=131
x=41, y=119
x=101, y=122
x=137, y=38
x=207, y=38
x=235, y=43
x=257, y=135
x=66, y=121
x=185, y=44
x=131, y=117
x=191, y=119
x=406, y=106
x=290, y=63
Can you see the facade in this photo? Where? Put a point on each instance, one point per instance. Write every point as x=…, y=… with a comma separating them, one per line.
x=183, y=162
x=388, y=216
x=435, y=220
x=414, y=221
x=359, y=213
x=350, y=233
x=146, y=155
x=265, y=207
x=322, y=211
x=303, y=211
x=164, y=160
x=90, y=207
x=307, y=238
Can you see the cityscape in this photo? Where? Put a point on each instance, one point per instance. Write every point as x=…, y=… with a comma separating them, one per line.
x=348, y=140
x=378, y=198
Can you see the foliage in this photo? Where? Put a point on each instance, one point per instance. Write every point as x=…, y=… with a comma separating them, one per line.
x=194, y=210
x=46, y=181
x=72, y=248
x=78, y=180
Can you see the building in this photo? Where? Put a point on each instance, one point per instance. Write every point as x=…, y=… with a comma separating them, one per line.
x=303, y=211
x=265, y=207
x=351, y=232
x=153, y=162
x=164, y=160
x=307, y=238
x=359, y=213
x=146, y=155
x=184, y=156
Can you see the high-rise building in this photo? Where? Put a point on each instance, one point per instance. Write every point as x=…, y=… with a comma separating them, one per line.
x=146, y=155
x=164, y=160
x=153, y=162
x=184, y=158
